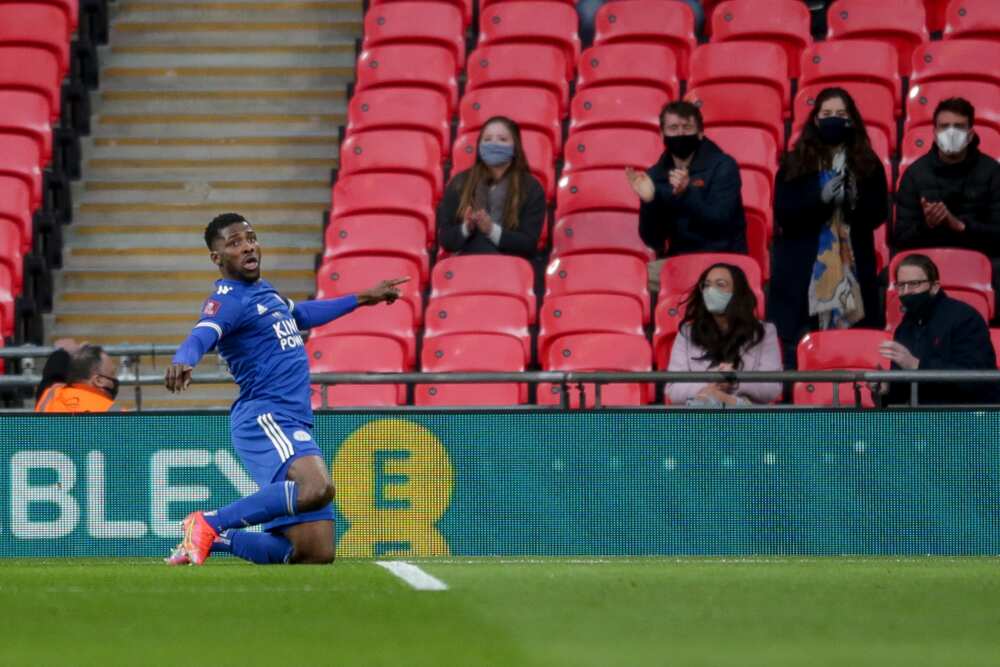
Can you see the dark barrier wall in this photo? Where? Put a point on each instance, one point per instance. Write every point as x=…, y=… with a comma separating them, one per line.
x=543, y=483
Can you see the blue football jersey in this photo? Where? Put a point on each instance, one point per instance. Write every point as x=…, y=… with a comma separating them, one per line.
x=260, y=341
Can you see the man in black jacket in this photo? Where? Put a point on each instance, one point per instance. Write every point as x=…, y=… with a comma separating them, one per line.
x=938, y=333
x=950, y=197
x=690, y=200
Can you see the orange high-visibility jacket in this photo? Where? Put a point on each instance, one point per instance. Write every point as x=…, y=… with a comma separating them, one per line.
x=73, y=398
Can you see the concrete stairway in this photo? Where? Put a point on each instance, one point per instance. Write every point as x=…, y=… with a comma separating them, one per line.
x=204, y=108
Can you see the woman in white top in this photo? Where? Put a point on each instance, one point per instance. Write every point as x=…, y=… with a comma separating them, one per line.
x=720, y=331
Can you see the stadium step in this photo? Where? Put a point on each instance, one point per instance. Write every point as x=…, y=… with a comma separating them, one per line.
x=205, y=107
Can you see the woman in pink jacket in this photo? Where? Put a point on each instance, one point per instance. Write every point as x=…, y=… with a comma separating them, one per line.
x=720, y=331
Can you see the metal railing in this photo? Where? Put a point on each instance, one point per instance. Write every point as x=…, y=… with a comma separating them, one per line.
x=567, y=381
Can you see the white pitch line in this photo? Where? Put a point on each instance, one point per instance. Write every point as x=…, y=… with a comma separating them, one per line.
x=413, y=575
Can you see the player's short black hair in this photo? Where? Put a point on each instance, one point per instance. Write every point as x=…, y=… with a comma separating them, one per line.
x=219, y=223
x=83, y=363
x=957, y=105
x=685, y=110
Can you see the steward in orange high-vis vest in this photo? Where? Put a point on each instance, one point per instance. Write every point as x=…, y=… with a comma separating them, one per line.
x=91, y=384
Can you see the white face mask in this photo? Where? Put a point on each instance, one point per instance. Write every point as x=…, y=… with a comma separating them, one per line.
x=952, y=140
x=716, y=301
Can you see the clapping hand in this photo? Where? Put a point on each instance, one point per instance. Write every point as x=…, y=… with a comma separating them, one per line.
x=641, y=184
x=898, y=353
x=833, y=191
x=679, y=179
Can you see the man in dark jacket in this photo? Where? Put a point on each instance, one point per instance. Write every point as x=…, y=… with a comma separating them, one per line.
x=938, y=333
x=950, y=197
x=690, y=200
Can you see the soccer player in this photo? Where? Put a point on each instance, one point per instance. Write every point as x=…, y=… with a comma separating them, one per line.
x=256, y=331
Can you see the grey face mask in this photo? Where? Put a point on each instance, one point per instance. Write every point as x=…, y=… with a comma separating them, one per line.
x=495, y=155
x=716, y=301
x=952, y=140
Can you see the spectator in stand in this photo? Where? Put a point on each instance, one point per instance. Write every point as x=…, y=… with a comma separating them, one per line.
x=721, y=332
x=937, y=333
x=691, y=199
x=830, y=195
x=950, y=197
x=496, y=206
x=91, y=384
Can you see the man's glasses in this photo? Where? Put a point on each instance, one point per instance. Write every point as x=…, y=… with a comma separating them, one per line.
x=908, y=285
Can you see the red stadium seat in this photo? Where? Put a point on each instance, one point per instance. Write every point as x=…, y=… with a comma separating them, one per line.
x=537, y=148
x=609, y=148
x=434, y=23
x=21, y=160
x=972, y=19
x=924, y=98
x=995, y=339
x=10, y=252
x=958, y=60
x=617, y=106
x=902, y=24
x=37, y=25
x=758, y=63
x=753, y=149
x=393, y=194
x=485, y=274
x=726, y=106
x=393, y=151
x=784, y=22
x=7, y=295
x=838, y=349
x=479, y=313
x=16, y=208
x=471, y=353
x=395, y=321
x=595, y=190
x=357, y=354
x=587, y=313
x=69, y=8
x=936, y=14
x=465, y=6
x=615, y=65
x=918, y=140
x=531, y=22
x=599, y=274
x=649, y=21
x=874, y=103
x=880, y=144
x=599, y=232
x=401, y=109
x=340, y=276
x=417, y=66
x=757, y=207
x=531, y=108
x=596, y=352
x=392, y=235
x=519, y=66
x=853, y=65
x=36, y=70
x=965, y=275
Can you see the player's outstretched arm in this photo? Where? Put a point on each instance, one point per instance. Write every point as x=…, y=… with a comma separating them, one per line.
x=385, y=291
x=309, y=314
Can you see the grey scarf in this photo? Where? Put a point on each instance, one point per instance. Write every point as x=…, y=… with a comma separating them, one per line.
x=492, y=198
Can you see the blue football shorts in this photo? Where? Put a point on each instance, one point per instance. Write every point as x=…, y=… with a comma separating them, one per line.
x=267, y=446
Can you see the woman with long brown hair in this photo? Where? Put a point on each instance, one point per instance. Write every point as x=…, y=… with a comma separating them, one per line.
x=496, y=206
x=720, y=332
x=830, y=195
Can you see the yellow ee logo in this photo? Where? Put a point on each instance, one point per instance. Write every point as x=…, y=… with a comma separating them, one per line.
x=394, y=481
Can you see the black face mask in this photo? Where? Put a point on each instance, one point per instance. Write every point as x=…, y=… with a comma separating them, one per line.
x=113, y=389
x=835, y=131
x=682, y=146
x=915, y=305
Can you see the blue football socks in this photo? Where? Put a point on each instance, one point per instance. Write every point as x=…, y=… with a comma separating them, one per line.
x=260, y=548
x=272, y=501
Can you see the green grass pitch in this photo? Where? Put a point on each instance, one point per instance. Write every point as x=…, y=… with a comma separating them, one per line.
x=687, y=612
